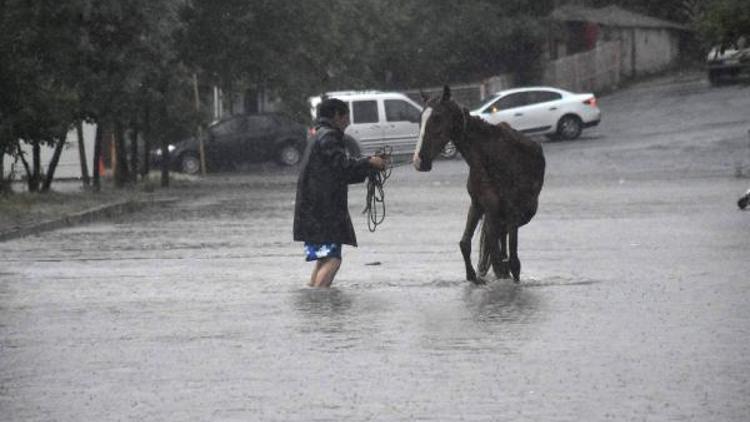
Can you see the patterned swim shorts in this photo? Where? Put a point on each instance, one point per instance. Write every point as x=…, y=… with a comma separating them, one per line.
x=315, y=251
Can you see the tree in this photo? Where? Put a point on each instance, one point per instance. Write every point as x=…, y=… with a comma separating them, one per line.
x=130, y=67
x=724, y=21
x=37, y=102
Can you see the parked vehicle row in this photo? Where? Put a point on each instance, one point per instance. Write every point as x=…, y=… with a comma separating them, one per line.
x=378, y=119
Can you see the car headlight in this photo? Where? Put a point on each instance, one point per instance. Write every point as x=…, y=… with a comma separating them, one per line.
x=170, y=148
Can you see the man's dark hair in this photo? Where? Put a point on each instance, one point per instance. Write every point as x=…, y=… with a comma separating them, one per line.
x=332, y=106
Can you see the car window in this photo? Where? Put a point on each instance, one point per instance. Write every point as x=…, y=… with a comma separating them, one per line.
x=543, y=96
x=401, y=111
x=518, y=99
x=364, y=112
x=257, y=124
x=228, y=127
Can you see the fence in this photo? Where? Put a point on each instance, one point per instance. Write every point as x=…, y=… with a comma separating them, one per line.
x=595, y=70
x=468, y=95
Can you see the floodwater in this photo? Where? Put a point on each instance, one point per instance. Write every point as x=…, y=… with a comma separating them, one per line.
x=633, y=302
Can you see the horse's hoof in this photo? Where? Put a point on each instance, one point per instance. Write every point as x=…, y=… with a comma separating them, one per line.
x=479, y=281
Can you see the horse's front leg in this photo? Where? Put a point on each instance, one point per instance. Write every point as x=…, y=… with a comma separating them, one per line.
x=475, y=213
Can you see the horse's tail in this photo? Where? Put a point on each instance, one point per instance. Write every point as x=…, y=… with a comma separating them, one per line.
x=484, y=251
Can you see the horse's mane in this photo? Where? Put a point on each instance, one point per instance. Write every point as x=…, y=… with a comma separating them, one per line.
x=483, y=128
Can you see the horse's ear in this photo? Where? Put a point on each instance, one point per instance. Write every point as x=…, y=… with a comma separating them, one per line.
x=446, y=93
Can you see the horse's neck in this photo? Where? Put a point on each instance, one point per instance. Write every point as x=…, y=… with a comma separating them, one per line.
x=470, y=145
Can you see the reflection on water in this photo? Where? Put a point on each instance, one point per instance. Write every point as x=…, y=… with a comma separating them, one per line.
x=316, y=303
x=501, y=301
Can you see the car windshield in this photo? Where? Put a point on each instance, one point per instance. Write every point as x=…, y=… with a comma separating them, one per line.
x=489, y=101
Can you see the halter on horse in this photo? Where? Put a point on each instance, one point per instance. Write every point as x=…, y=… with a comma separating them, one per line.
x=506, y=174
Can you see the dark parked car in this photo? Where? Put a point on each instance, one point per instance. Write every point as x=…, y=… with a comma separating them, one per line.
x=245, y=138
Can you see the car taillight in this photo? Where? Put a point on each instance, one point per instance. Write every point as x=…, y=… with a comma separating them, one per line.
x=591, y=101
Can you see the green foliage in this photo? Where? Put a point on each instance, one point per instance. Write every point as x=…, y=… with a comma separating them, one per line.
x=724, y=21
x=103, y=61
x=297, y=49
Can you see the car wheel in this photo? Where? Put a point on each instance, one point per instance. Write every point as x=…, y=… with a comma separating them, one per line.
x=189, y=163
x=569, y=127
x=449, y=151
x=289, y=155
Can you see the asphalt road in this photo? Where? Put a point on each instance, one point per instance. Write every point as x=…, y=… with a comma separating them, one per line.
x=633, y=302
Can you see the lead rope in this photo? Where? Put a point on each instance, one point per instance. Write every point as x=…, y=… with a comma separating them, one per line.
x=375, y=202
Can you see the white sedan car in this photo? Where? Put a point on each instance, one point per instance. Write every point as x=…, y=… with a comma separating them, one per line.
x=542, y=111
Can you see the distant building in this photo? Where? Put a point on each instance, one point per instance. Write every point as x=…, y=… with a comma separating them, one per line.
x=646, y=44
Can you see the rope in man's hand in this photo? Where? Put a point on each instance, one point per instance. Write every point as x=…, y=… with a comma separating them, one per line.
x=375, y=205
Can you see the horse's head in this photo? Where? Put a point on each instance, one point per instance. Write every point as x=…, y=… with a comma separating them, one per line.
x=441, y=122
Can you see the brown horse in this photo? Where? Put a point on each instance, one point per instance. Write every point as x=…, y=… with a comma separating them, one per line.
x=506, y=173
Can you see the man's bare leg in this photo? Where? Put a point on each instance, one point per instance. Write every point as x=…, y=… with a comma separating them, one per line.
x=326, y=271
x=316, y=268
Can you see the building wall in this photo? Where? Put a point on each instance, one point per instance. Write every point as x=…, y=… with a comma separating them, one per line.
x=645, y=50
x=655, y=49
x=621, y=53
x=69, y=166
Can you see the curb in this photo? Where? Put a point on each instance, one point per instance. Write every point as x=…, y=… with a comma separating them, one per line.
x=94, y=214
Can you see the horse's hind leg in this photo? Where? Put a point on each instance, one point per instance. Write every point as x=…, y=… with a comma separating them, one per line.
x=465, y=244
x=514, y=262
x=486, y=258
x=500, y=261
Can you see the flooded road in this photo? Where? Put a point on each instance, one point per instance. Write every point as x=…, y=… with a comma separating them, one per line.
x=633, y=302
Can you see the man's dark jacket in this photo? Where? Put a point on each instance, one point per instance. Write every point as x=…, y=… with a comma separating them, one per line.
x=321, y=212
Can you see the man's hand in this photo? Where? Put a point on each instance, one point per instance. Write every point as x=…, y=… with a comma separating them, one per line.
x=377, y=163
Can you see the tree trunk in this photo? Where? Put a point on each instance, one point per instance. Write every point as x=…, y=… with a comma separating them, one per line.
x=97, y=154
x=23, y=160
x=36, y=169
x=121, y=169
x=82, y=155
x=134, y=155
x=146, y=143
x=165, y=159
x=53, y=163
x=165, y=154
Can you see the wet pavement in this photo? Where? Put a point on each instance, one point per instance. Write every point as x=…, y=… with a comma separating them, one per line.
x=633, y=302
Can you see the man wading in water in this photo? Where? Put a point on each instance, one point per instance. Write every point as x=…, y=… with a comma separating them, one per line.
x=321, y=212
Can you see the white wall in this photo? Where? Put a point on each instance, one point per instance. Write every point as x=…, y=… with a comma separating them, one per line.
x=655, y=50
x=69, y=166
